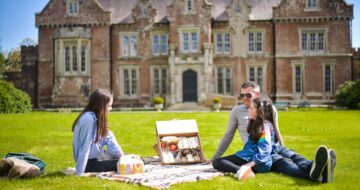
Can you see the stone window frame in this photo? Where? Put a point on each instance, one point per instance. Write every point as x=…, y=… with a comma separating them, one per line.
x=255, y=42
x=189, y=30
x=129, y=47
x=256, y=67
x=224, y=82
x=162, y=92
x=330, y=64
x=131, y=83
x=309, y=5
x=72, y=4
x=160, y=34
x=60, y=57
x=189, y=9
x=215, y=37
x=298, y=64
x=317, y=32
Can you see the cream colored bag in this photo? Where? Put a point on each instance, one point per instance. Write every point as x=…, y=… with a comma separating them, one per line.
x=130, y=164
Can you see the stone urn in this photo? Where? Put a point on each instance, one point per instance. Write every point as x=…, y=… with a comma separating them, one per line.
x=159, y=107
x=217, y=106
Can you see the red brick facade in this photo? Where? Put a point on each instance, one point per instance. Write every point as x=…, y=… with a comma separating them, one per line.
x=185, y=50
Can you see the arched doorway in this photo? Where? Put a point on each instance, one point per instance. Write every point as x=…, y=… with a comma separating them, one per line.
x=189, y=86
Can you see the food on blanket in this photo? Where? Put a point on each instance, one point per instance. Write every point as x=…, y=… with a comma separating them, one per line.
x=130, y=164
x=163, y=145
x=173, y=147
x=190, y=157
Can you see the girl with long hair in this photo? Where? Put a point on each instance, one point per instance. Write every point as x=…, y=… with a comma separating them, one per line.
x=91, y=133
x=257, y=151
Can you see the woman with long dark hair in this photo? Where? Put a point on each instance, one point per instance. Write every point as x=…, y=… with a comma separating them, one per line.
x=91, y=133
x=257, y=151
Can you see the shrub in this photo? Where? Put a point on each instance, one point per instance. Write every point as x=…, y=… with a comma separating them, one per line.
x=216, y=100
x=348, y=94
x=158, y=100
x=13, y=100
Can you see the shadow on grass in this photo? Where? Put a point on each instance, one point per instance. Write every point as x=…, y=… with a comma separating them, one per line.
x=53, y=174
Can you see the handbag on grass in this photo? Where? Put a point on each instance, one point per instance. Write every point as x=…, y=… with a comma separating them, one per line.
x=130, y=164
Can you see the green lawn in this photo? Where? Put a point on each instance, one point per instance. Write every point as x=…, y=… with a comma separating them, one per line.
x=48, y=136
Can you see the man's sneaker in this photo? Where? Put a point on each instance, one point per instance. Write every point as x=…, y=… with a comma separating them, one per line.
x=328, y=174
x=319, y=163
x=244, y=172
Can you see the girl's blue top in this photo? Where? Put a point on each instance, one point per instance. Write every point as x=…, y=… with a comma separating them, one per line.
x=261, y=151
x=84, y=146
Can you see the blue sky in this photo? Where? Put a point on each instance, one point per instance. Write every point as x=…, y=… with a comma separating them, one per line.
x=18, y=21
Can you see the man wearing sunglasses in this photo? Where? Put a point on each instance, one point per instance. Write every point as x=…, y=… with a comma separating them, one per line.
x=285, y=161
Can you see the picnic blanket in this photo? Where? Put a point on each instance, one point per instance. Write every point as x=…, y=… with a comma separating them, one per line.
x=159, y=176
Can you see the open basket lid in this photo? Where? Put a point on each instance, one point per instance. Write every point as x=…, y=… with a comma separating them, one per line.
x=176, y=127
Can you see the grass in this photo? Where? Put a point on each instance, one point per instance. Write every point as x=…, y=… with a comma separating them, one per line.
x=48, y=136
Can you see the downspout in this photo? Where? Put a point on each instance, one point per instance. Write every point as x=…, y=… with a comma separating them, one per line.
x=274, y=59
x=352, y=55
x=111, y=59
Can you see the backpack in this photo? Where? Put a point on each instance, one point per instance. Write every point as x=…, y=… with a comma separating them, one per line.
x=28, y=158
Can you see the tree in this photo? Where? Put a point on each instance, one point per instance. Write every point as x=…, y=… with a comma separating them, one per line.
x=348, y=94
x=28, y=42
x=2, y=64
x=14, y=60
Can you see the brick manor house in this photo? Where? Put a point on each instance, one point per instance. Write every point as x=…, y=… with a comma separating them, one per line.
x=187, y=50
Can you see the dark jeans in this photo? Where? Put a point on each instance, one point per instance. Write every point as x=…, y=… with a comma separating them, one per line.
x=290, y=163
x=229, y=163
x=95, y=165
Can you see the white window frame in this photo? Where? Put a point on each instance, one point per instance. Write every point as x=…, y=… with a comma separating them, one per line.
x=189, y=31
x=222, y=50
x=331, y=65
x=256, y=74
x=161, y=43
x=309, y=32
x=312, y=5
x=294, y=65
x=255, y=41
x=133, y=93
x=162, y=91
x=224, y=79
x=60, y=57
x=130, y=49
x=72, y=7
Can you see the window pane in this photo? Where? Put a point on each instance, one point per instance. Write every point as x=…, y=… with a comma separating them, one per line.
x=164, y=44
x=259, y=42
x=83, y=58
x=125, y=45
x=67, y=59
x=194, y=40
x=298, y=83
x=133, y=45
x=226, y=43
x=156, y=81
x=312, y=41
x=228, y=80
x=186, y=41
x=321, y=42
x=220, y=88
x=260, y=77
x=252, y=74
x=133, y=82
x=189, y=5
x=126, y=82
x=74, y=58
x=156, y=45
x=251, y=42
x=327, y=78
x=304, y=41
x=164, y=81
x=218, y=43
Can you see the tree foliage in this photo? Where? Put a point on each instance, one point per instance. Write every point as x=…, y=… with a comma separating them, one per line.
x=14, y=60
x=13, y=100
x=348, y=94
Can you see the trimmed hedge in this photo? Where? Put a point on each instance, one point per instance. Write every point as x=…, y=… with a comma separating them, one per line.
x=348, y=94
x=13, y=100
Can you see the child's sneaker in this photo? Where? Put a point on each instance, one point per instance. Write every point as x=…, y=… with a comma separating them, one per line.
x=244, y=172
x=319, y=163
x=328, y=174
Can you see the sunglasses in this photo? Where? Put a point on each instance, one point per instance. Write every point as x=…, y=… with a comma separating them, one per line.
x=247, y=95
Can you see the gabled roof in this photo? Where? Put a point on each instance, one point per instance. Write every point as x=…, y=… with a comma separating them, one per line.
x=121, y=9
